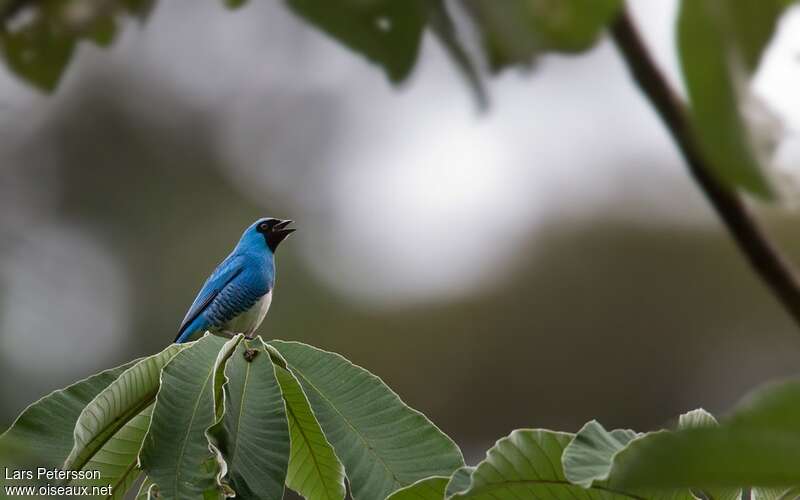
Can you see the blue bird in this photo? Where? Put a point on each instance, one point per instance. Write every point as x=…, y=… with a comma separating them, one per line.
x=237, y=295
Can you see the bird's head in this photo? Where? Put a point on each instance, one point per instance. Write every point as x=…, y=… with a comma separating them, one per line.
x=267, y=231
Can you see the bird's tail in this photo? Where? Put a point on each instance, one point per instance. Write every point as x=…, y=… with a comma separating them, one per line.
x=184, y=334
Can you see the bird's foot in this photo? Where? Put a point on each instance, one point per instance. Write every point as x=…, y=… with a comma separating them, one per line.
x=250, y=354
x=228, y=334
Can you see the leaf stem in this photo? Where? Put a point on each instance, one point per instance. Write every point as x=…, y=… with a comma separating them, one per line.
x=760, y=252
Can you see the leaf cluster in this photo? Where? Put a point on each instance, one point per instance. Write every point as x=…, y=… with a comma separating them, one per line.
x=220, y=418
x=751, y=454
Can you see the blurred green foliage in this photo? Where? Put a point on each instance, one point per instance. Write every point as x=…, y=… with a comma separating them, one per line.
x=387, y=32
x=39, y=46
x=516, y=32
x=720, y=43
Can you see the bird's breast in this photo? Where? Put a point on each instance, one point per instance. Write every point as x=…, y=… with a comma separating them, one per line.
x=261, y=307
x=247, y=321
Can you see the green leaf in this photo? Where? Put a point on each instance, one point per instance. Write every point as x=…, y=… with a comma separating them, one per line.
x=103, y=31
x=720, y=44
x=117, y=460
x=47, y=424
x=314, y=471
x=588, y=457
x=220, y=379
x=38, y=52
x=592, y=459
x=431, y=488
x=445, y=30
x=517, y=31
x=253, y=435
x=38, y=45
x=460, y=481
x=219, y=382
x=699, y=419
x=387, y=32
x=748, y=26
x=132, y=392
x=758, y=445
x=383, y=444
x=527, y=464
x=176, y=453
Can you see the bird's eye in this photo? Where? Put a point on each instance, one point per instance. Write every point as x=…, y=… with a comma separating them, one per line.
x=263, y=226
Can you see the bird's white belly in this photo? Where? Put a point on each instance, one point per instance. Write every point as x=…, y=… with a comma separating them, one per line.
x=248, y=321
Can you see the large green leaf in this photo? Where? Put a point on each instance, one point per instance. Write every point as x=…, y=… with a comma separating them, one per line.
x=314, y=471
x=527, y=464
x=132, y=392
x=758, y=445
x=220, y=379
x=720, y=44
x=46, y=425
x=383, y=444
x=387, y=32
x=253, y=435
x=516, y=31
x=176, y=453
x=117, y=460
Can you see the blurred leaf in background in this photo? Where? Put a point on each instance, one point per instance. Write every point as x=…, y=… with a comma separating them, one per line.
x=38, y=52
x=38, y=39
x=720, y=45
x=517, y=31
x=388, y=32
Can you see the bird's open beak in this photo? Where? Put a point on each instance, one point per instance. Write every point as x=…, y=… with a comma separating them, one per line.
x=279, y=233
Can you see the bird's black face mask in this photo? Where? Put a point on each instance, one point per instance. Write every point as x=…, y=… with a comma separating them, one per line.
x=275, y=231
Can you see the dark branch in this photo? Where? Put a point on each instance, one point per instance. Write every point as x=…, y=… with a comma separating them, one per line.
x=760, y=252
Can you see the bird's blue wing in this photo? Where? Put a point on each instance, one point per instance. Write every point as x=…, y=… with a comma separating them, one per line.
x=226, y=272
